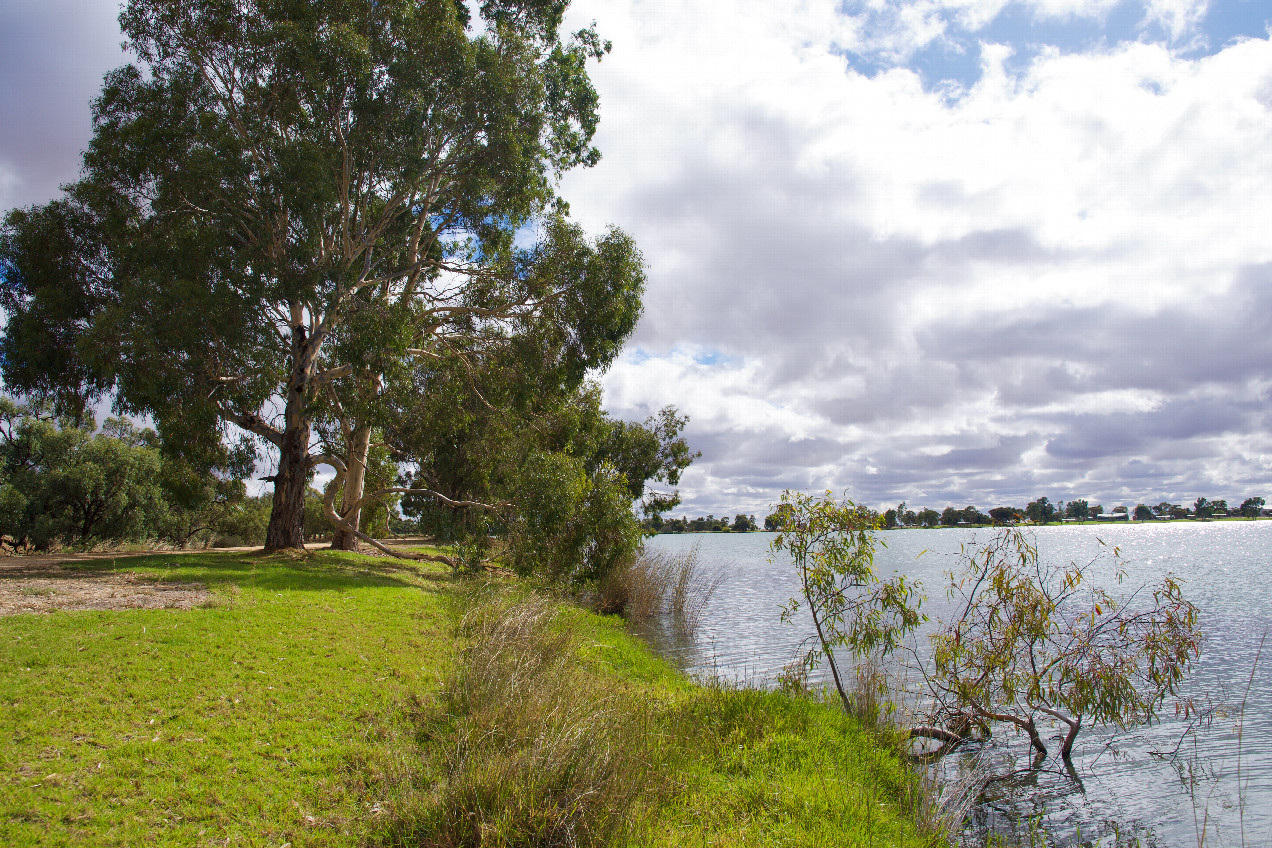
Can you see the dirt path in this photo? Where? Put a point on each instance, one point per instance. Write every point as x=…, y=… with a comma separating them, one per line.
x=47, y=582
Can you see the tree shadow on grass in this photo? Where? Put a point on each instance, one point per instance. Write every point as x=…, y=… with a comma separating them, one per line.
x=315, y=571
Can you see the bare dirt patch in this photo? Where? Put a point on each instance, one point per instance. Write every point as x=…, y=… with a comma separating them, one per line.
x=42, y=585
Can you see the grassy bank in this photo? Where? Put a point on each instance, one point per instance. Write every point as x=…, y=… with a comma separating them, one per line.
x=334, y=699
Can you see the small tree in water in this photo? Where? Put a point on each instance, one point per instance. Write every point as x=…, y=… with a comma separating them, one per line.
x=1029, y=641
x=832, y=544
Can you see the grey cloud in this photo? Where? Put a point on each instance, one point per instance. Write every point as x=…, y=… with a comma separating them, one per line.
x=53, y=54
x=1097, y=436
x=764, y=274
x=1015, y=246
x=1223, y=339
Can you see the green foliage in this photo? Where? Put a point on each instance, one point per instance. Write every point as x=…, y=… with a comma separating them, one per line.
x=1005, y=515
x=53, y=276
x=570, y=525
x=243, y=522
x=64, y=485
x=1029, y=640
x=1040, y=511
x=1252, y=507
x=1077, y=509
x=549, y=473
x=701, y=524
x=779, y=517
x=832, y=543
x=286, y=207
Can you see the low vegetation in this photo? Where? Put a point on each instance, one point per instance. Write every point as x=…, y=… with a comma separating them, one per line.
x=336, y=699
x=1028, y=642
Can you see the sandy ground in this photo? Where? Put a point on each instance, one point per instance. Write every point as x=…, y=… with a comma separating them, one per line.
x=44, y=583
x=41, y=584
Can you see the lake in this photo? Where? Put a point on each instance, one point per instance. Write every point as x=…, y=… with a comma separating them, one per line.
x=1125, y=790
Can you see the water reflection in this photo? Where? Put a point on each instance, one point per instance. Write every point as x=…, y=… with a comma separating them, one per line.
x=1126, y=791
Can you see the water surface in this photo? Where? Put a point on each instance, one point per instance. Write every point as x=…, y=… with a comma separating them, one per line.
x=1123, y=787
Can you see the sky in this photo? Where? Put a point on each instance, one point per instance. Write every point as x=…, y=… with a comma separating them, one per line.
x=941, y=252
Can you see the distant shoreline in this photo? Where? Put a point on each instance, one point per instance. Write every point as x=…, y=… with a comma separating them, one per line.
x=1114, y=522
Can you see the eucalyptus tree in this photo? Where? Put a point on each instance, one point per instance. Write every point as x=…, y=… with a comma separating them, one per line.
x=1030, y=641
x=832, y=544
x=285, y=204
x=553, y=474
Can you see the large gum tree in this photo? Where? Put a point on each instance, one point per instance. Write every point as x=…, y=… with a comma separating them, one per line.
x=288, y=203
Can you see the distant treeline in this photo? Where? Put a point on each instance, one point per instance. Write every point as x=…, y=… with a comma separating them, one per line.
x=1041, y=511
x=709, y=524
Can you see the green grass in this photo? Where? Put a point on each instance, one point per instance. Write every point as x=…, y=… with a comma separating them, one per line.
x=232, y=722
x=306, y=704
x=762, y=768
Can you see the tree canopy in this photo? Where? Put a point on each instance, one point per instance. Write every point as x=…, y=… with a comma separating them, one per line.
x=287, y=207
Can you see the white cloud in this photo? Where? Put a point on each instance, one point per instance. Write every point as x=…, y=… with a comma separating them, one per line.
x=1177, y=17
x=836, y=232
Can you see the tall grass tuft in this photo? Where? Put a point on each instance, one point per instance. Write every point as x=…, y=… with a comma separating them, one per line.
x=655, y=582
x=692, y=587
x=525, y=749
x=635, y=587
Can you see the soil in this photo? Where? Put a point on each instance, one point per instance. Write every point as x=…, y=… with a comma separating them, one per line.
x=42, y=584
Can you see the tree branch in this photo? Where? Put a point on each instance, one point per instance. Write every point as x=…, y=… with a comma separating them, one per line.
x=253, y=423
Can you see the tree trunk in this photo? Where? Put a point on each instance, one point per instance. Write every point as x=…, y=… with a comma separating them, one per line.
x=1066, y=750
x=1032, y=729
x=287, y=515
x=821, y=637
x=354, y=486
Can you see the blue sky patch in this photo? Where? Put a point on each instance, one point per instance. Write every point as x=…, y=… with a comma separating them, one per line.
x=952, y=61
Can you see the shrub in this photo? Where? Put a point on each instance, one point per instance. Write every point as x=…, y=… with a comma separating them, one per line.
x=1031, y=641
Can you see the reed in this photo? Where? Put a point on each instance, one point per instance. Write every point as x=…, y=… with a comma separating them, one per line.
x=660, y=582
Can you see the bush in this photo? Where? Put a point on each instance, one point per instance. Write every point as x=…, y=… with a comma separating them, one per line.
x=1031, y=642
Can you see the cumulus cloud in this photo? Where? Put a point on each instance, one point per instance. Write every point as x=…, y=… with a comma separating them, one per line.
x=1050, y=284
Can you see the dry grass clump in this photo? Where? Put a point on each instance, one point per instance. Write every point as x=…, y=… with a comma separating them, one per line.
x=655, y=582
x=525, y=749
x=635, y=587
